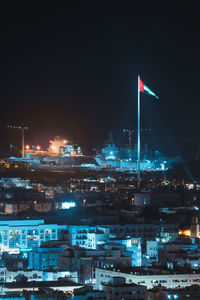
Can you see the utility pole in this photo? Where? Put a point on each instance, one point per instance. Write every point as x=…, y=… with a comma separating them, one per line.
x=22, y=128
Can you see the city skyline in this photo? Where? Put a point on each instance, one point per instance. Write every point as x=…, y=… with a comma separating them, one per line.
x=99, y=150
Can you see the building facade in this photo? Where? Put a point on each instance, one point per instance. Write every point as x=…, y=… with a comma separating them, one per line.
x=22, y=235
x=168, y=280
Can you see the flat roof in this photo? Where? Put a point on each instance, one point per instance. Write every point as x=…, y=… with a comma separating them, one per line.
x=150, y=271
x=38, y=284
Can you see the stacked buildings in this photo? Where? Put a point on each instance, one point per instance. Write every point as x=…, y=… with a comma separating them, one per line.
x=98, y=236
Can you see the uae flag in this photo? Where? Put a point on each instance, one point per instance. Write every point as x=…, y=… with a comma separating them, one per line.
x=144, y=89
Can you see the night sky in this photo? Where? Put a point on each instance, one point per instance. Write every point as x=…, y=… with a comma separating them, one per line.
x=72, y=70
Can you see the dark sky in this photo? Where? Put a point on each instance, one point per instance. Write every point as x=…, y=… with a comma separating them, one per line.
x=72, y=69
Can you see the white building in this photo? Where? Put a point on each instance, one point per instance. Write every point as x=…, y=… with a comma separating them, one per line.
x=133, y=245
x=23, y=235
x=66, y=286
x=152, y=249
x=3, y=274
x=151, y=254
x=35, y=275
x=30, y=274
x=88, y=237
x=160, y=232
x=148, y=279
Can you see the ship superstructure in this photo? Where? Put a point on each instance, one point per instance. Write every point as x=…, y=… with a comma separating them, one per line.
x=125, y=158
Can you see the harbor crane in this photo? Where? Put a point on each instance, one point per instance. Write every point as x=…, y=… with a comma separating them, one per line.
x=22, y=128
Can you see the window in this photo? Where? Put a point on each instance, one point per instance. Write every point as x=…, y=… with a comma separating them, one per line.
x=196, y=280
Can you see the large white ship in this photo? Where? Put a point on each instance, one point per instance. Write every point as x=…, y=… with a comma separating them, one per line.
x=125, y=159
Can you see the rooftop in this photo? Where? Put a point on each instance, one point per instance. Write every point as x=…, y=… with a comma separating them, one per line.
x=151, y=270
x=39, y=284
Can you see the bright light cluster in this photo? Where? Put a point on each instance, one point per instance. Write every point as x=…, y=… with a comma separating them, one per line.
x=67, y=205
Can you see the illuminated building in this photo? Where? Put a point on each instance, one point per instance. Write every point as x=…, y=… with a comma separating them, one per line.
x=11, y=208
x=146, y=276
x=133, y=245
x=57, y=285
x=44, y=258
x=181, y=253
x=89, y=237
x=152, y=250
x=186, y=232
x=42, y=206
x=11, y=275
x=86, y=236
x=84, y=261
x=23, y=235
x=193, y=231
x=35, y=274
x=160, y=232
x=194, y=227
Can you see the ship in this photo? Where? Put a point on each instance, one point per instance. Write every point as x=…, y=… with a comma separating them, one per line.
x=125, y=158
x=63, y=155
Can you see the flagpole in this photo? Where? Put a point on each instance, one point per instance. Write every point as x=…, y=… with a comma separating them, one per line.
x=138, y=177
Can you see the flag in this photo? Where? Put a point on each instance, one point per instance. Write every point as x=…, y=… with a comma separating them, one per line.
x=144, y=89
